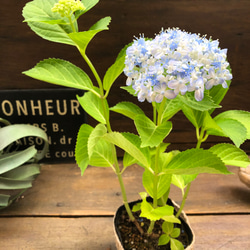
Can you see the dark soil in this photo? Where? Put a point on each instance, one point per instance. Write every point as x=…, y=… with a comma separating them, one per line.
x=132, y=239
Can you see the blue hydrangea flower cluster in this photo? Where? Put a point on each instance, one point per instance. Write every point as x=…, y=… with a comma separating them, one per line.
x=175, y=62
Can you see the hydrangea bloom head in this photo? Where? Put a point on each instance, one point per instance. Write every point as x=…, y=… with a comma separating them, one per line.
x=67, y=7
x=175, y=62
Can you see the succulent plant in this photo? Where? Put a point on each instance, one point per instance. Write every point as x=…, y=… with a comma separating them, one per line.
x=18, y=166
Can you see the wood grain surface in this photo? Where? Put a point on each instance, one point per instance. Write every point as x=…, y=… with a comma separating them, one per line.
x=64, y=210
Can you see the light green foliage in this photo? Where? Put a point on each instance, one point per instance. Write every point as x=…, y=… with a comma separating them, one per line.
x=151, y=134
x=170, y=233
x=97, y=145
x=60, y=72
x=94, y=106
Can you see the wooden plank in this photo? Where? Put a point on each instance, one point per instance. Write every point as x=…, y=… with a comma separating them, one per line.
x=211, y=232
x=61, y=190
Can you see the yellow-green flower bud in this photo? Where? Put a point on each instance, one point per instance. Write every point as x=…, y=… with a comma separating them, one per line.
x=68, y=7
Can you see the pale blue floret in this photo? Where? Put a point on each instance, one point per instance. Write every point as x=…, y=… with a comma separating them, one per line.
x=175, y=62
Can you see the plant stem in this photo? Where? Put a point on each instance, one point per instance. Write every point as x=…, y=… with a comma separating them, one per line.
x=157, y=121
x=183, y=200
x=200, y=138
x=116, y=164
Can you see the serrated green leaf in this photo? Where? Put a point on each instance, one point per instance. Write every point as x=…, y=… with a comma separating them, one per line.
x=231, y=155
x=171, y=107
x=41, y=10
x=181, y=181
x=154, y=214
x=102, y=154
x=233, y=129
x=93, y=105
x=130, y=90
x=217, y=93
x=128, y=109
x=81, y=149
x=128, y=160
x=196, y=117
x=163, y=240
x=212, y=127
x=196, y=161
x=82, y=39
x=151, y=135
x=126, y=144
x=115, y=69
x=60, y=72
x=163, y=184
x=96, y=134
x=113, y=72
x=206, y=104
x=239, y=115
x=88, y=4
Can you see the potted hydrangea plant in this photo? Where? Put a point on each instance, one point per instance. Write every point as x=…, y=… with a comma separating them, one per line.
x=176, y=71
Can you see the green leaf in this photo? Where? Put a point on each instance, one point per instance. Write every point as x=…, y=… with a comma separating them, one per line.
x=196, y=117
x=206, y=104
x=150, y=213
x=37, y=12
x=167, y=227
x=239, y=115
x=128, y=109
x=136, y=207
x=130, y=90
x=60, y=72
x=81, y=150
x=93, y=105
x=176, y=244
x=88, y=4
x=102, y=154
x=233, y=129
x=13, y=160
x=171, y=108
x=163, y=240
x=151, y=135
x=217, y=93
x=96, y=134
x=163, y=184
x=181, y=181
x=175, y=233
x=231, y=155
x=212, y=127
x=82, y=39
x=127, y=145
x=196, y=161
